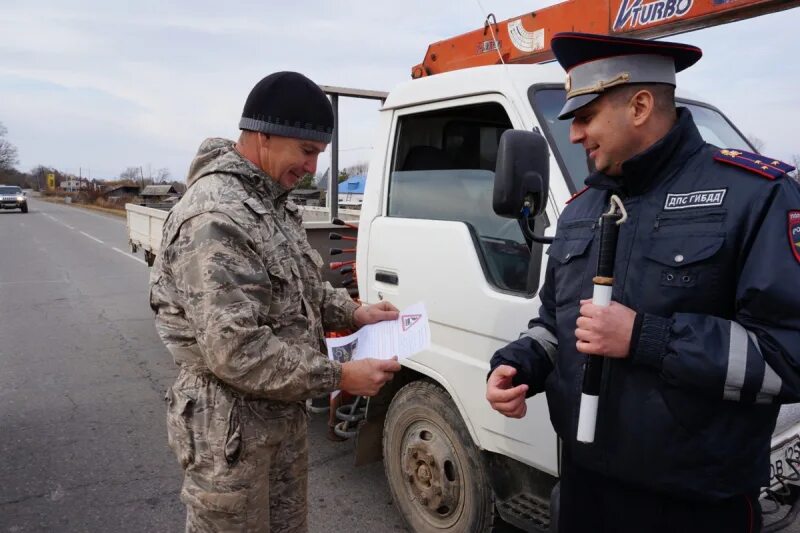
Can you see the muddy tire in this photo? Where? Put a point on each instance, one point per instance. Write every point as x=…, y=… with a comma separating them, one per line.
x=434, y=470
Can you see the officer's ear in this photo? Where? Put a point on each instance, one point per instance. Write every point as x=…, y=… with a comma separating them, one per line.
x=642, y=105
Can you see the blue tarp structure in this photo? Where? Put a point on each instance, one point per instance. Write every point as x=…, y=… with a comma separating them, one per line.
x=353, y=185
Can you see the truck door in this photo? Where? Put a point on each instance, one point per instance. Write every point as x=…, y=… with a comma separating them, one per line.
x=438, y=241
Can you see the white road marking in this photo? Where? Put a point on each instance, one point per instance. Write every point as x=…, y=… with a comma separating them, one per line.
x=91, y=237
x=63, y=224
x=123, y=252
x=130, y=255
x=54, y=219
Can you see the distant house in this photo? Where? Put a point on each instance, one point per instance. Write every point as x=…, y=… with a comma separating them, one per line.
x=159, y=194
x=73, y=185
x=351, y=191
x=122, y=191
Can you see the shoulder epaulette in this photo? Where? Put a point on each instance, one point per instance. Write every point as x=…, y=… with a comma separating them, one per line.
x=577, y=194
x=294, y=211
x=255, y=206
x=764, y=166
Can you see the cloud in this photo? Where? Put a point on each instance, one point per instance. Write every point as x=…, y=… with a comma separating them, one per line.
x=106, y=86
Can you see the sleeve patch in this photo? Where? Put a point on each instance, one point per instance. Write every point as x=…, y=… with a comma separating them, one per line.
x=759, y=164
x=794, y=233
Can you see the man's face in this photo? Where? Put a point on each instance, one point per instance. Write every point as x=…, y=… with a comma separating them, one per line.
x=287, y=159
x=605, y=129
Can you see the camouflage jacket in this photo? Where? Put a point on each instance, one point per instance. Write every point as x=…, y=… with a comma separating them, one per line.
x=237, y=289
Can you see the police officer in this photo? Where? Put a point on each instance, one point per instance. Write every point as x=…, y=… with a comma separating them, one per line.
x=701, y=342
x=240, y=304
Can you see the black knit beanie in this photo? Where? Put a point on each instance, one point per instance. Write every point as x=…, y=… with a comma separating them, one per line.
x=290, y=105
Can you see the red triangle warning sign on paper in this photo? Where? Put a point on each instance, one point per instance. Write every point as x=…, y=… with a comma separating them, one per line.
x=409, y=320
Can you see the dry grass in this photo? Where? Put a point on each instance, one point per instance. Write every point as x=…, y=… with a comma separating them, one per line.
x=104, y=208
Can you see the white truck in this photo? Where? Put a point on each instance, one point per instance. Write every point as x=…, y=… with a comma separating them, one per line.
x=144, y=229
x=428, y=232
x=146, y=223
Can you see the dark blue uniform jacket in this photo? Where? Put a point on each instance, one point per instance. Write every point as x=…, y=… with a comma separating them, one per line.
x=707, y=261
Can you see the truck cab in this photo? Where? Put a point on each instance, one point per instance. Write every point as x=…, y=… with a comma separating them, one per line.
x=428, y=233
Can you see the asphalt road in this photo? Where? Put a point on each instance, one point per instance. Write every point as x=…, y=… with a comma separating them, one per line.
x=82, y=377
x=83, y=443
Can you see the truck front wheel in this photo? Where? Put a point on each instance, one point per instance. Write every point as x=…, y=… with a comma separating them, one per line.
x=434, y=470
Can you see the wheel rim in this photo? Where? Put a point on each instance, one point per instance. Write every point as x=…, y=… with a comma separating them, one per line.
x=433, y=473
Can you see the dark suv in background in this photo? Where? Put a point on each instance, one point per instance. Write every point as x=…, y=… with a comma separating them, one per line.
x=12, y=197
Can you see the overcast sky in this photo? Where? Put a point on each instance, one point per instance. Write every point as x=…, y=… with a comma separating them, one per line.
x=99, y=86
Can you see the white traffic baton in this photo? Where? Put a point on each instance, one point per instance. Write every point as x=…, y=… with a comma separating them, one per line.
x=603, y=283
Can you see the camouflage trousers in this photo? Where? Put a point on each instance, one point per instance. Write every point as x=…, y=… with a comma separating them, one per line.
x=245, y=462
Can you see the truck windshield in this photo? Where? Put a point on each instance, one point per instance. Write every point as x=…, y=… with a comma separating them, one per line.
x=547, y=101
x=10, y=190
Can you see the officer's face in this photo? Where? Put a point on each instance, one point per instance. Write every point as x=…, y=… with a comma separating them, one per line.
x=605, y=129
x=286, y=160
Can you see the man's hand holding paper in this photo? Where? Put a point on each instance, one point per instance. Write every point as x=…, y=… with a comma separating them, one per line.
x=402, y=337
x=370, y=314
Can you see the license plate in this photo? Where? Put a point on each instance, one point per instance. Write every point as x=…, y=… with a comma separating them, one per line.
x=784, y=463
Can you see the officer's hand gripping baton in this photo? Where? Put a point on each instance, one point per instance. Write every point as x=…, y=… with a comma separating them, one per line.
x=603, y=281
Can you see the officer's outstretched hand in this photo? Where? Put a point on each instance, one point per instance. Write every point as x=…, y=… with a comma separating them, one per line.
x=605, y=331
x=365, y=377
x=369, y=314
x=503, y=396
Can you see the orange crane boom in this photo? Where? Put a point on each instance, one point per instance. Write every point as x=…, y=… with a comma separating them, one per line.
x=526, y=38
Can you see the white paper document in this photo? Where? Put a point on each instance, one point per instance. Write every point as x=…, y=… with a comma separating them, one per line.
x=403, y=337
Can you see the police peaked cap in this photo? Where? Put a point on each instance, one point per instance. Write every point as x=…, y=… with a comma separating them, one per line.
x=290, y=105
x=595, y=63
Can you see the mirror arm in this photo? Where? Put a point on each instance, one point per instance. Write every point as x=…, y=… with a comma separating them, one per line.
x=525, y=222
x=529, y=234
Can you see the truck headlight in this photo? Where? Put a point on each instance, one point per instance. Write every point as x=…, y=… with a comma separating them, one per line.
x=20, y=198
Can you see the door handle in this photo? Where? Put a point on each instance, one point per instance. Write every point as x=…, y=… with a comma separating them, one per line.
x=387, y=277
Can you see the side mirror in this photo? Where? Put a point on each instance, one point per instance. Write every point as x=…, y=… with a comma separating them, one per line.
x=522, y=175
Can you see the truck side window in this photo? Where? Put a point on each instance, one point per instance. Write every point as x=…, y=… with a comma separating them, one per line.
x=443, y=169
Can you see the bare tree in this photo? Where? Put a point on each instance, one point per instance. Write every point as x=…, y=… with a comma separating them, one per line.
x=358, y=169
x=162, y=175
x=130, y=174
x=39, y=176
x=8, y=152
x=134, y=175
x=12, y=176
x=796, y=164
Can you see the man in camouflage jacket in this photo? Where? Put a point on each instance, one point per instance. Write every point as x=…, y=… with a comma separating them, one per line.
x=241, y=305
